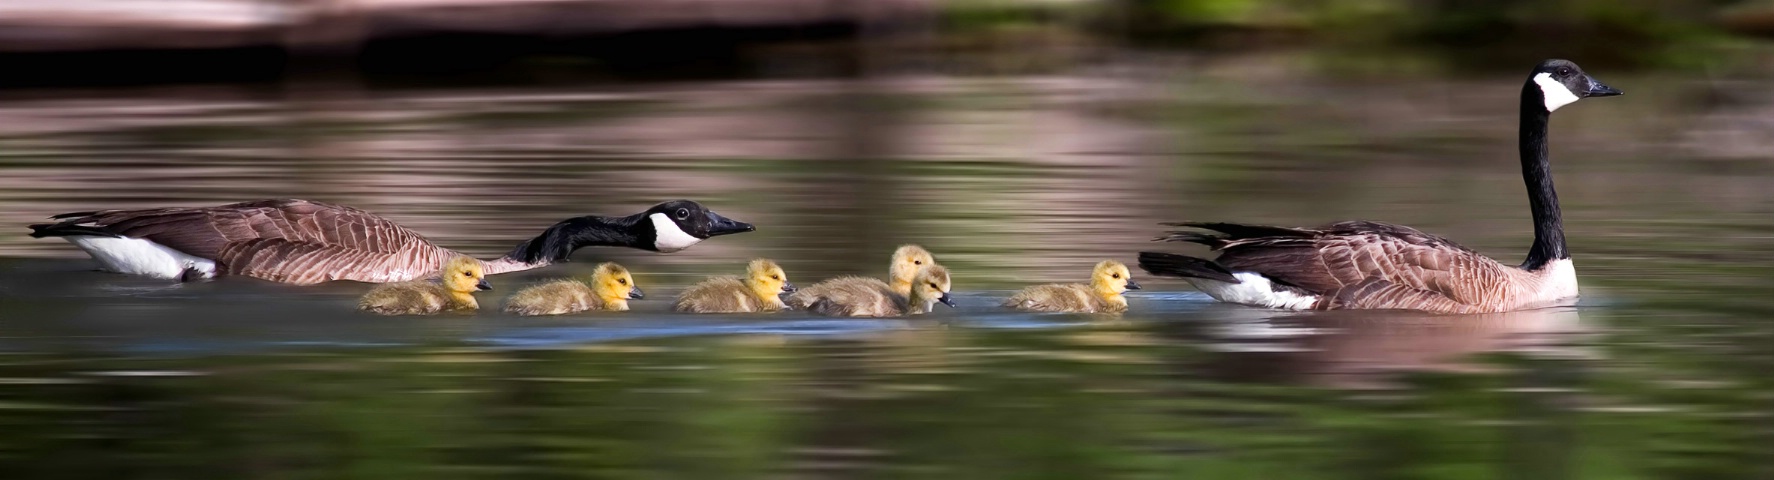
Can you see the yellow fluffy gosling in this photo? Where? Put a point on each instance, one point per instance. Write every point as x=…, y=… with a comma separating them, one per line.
x=1108, y=281
x=610, y=288
x=461, y=277
x=868, y=297
x=907, y=260
x=760, y=291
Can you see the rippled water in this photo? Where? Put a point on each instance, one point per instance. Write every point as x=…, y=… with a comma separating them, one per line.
x=1659, y=373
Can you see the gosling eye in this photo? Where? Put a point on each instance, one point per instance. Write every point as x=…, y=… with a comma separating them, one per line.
x=623, y=281
x=776, y=277
x=935, y=287
x=917, y=262
x=683, y=214
x=1115, y=276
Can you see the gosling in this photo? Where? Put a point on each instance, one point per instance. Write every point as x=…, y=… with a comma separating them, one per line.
x=760, y=291
x=609, y=288
x=462, y=276
x=868, y=297
x=1108, y=281
x=907, y=260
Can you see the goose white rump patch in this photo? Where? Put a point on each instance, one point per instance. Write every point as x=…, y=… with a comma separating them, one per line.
x=136, y=256
x=1255, y=290
x=668, y=237
x=1555, y=93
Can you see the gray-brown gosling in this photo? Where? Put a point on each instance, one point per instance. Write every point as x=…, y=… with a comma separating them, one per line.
x=462, y=276
x=907, y=260
x=868, y=297
x=1108, y=281
x=760, y=291
x=609, y=288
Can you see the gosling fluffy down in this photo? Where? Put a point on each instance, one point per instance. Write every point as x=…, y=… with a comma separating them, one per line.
x=1108, y=281
x=906, y=262
x=609, y=288
x=454, y=291
x=868, y=297
x=760, y=291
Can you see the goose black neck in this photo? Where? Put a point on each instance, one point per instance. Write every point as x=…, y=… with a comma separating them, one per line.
x=1536, y=170
x=558, y=242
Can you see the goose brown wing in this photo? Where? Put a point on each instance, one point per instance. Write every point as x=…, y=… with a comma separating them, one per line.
x=258, y=238
x=1344, y=260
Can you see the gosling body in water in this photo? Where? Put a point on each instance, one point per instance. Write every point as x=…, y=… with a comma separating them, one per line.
x=461, y=277
x=610, y=288
x=907, y=261
x=760, y=291
x=1108, y=282
x=868, y=297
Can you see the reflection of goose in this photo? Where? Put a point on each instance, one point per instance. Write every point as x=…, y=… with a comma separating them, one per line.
x=1348, y=349
x=302, y=242
x=1371, y=265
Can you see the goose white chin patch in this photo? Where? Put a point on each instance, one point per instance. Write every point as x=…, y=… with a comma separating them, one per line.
x=668, y=237
x=136, y=256
x=1555, y=93
x=1254, y=290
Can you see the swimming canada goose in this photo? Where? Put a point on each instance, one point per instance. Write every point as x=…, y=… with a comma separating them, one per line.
x=1108, y=281
x=1372, y=265
x=907, y=260
x=609, y=288
x=760, y=291
x=462, y=276
x=868, y=297
x=303, y=242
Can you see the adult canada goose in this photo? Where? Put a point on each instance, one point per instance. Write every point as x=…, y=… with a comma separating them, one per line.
x=303, y=242
x=462, y=276
x=609, y=288
x=1371, y=265
x=1109, y=280
x=868, y=297
x=760, y=291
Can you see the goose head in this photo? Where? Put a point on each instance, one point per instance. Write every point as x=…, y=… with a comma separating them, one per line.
x=907, y=261
x=767, y=280
x=1561, y=82
x=929, y=287
x=1112, y=278
x=614, y=285
x=678, y=224
x=464, y=275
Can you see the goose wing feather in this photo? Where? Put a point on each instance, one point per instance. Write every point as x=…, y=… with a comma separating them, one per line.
x=1351, y=263
x=286, y=240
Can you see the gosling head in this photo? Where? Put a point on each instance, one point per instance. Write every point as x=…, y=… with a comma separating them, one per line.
x=767, y=280
x=678, y=224
x=907, y=261
x=1112, y=278
x=464, y=275
x=614, y=285
x=931, y=286
x=1556, y=83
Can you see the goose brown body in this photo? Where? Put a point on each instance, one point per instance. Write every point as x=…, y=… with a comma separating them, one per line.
x=454, y=291
x=609, y=289
x=1372, y=265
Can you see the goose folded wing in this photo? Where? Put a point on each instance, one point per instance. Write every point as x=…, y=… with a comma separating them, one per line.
x=1336, y=260
x=307, y=263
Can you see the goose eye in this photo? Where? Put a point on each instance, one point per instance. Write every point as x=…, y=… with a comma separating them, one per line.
x=1564, y=71
x=683, y=214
